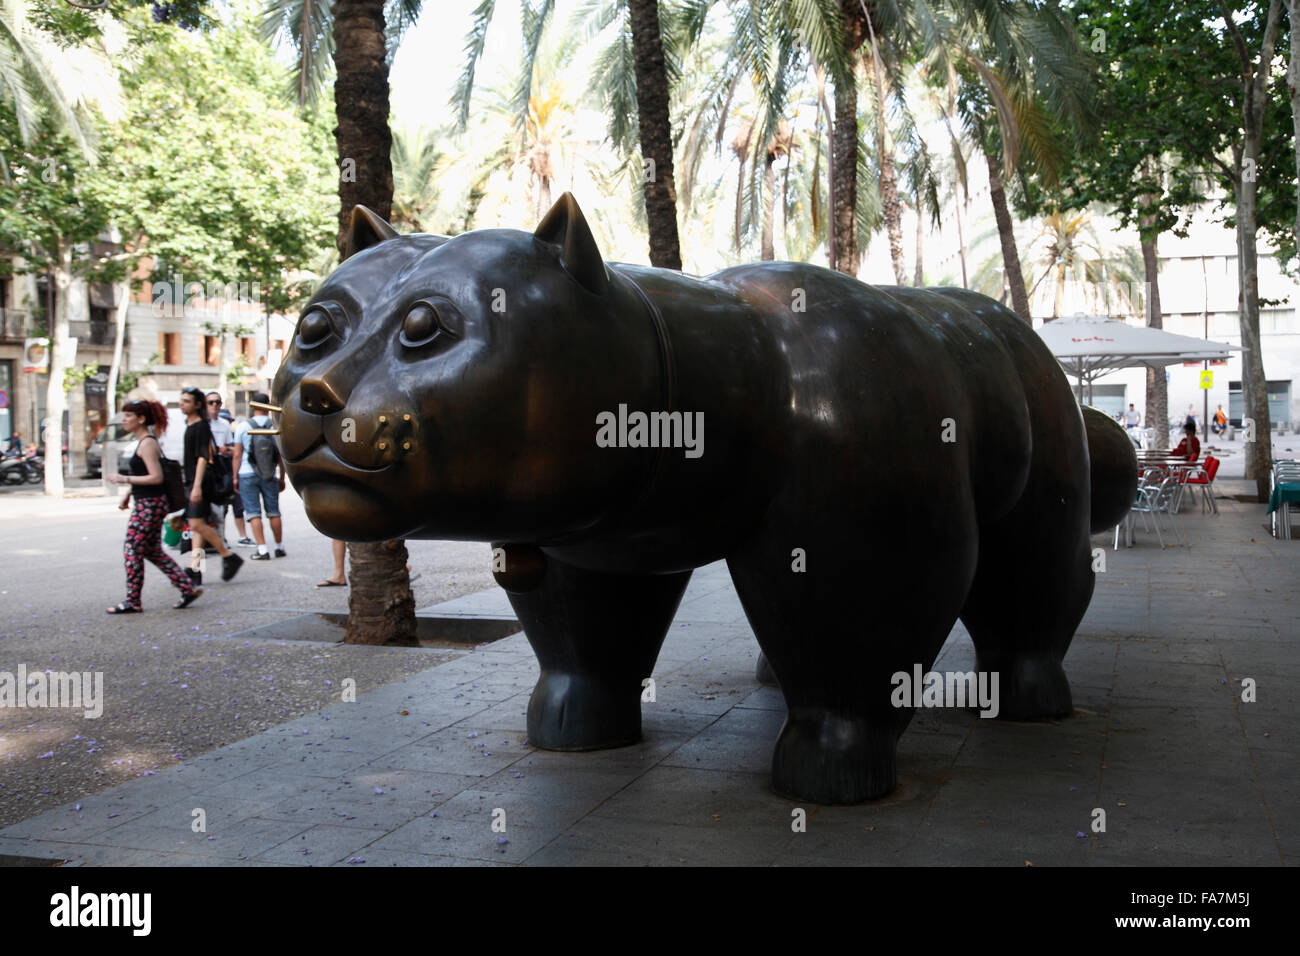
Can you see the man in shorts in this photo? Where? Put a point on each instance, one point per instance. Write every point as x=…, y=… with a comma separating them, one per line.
x=259, y=479
x=198, y=458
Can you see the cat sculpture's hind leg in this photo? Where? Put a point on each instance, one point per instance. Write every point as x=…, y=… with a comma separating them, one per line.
x=836, y=633
x=596, y=636
x=1033, y=586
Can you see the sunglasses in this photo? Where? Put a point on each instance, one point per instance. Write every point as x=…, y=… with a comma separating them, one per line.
x=213, y=401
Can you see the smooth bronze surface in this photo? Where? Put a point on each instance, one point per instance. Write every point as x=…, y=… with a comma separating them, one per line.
x=872, y=463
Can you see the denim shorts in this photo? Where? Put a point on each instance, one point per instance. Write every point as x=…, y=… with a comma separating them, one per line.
x=250, y=486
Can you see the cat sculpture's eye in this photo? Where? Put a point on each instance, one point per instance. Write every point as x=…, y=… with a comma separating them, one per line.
x=429, y=319
x=315, y=327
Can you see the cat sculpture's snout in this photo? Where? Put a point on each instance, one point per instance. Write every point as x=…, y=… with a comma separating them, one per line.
x=371, y=440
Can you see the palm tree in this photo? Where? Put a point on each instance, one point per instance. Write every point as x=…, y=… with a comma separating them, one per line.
x=66, y=85
x=356, y=34
x=641, y=46
x=1067, y=251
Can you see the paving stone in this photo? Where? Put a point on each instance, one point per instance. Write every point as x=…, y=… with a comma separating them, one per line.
x=665, y=845
x=372, y=857
x=467, y=839
x=320, y=846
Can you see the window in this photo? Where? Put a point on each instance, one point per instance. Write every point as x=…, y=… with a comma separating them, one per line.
x=211, y=350
x=169, y=347
x=248, y=348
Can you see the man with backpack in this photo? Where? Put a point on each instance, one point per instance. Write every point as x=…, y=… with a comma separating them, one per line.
x=259, y=479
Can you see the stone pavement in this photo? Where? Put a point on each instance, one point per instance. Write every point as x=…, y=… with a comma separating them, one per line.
x=411, y=774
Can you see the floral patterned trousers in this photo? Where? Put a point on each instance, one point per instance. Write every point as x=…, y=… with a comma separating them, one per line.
x=144, y=540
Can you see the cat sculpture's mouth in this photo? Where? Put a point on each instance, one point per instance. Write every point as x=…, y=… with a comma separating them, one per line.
x=342, y=499
x=320, y=462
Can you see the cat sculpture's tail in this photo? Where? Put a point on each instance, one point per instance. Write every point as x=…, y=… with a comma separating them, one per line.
x=1113, y=469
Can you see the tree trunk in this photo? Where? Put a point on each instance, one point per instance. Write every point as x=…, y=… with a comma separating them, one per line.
x=1010, y=257
x=1254, y=390
x=919, y=278
x=1254, y=385
x=890, y=205
x=656, y=133
x=769, y=208
x=361, y=103
x=844, y=178
x=381, y=608
x=961, y=240
x=56, y=398
x=119, y=341
x=1157, y=407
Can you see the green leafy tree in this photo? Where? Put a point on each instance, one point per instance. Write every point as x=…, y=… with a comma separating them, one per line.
x=1130, y=166
x=238, y=197
x=1207, y=94
x=49, y=220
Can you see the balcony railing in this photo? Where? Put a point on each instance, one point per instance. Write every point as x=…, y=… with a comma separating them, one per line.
x=15, y=323
x=91, y=333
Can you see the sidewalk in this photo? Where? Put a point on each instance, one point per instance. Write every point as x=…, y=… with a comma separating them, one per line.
x=412, y=773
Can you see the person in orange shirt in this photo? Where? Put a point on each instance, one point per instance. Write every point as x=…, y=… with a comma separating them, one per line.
x=1190, y=446
x=1219, y=422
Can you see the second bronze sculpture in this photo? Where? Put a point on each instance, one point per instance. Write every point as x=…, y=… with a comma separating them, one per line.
x=613, y=427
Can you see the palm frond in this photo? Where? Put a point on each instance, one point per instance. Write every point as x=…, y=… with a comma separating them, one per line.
x=474, y=40
x=307, y=26
x=533, y=17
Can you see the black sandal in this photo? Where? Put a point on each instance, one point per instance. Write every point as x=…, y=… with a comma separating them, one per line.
x=124, y=608
x=188, y=599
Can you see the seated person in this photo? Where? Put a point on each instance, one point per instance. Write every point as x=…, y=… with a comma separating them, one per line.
x=1190, y=447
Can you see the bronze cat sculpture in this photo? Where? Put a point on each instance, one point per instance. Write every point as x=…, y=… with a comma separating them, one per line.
x=873, y=463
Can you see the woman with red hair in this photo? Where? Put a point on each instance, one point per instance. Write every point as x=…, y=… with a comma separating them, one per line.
x=144, y=531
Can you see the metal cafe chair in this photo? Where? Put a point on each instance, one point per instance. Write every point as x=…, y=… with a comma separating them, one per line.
x=1155, y=500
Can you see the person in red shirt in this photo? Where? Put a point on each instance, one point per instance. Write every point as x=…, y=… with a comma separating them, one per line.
x=1190, y=446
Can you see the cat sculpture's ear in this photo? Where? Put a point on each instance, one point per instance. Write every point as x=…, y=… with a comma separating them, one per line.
x=566, y=226
x=366, y=229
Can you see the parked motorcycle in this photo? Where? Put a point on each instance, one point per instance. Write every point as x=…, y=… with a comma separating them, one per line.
x=17, y=468
x=36, y=469
x=13, y=469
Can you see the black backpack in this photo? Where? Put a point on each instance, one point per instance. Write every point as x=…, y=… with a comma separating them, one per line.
x=265, y=454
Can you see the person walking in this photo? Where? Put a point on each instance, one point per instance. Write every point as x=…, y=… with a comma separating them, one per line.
x=259, y=479
x=236, y=503
x=1220, y=420
x=144, y=529
x=198, y=458
x=223, y=439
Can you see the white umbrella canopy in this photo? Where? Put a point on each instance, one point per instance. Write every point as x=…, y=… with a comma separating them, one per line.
x=1089, y=346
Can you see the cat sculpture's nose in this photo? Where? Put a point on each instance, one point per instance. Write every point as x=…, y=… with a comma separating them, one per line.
x=318, y=397
x=372, y=439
